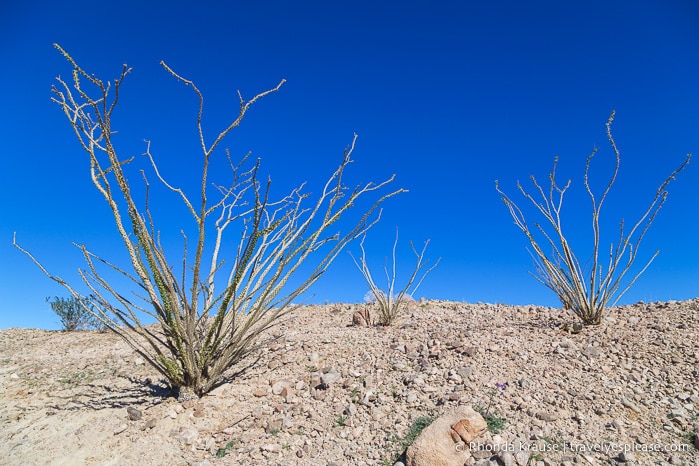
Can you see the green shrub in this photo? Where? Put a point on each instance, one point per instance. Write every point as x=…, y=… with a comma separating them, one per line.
x=75, y=313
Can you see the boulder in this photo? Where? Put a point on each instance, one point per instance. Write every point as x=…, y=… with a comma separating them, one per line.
x=361, y=318
x=445, y=442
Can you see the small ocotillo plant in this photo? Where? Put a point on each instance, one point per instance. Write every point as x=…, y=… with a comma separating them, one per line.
x=389, y=302
x=586, y=292
x=202, y=331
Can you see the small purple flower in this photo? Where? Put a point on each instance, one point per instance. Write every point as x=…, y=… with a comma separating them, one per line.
x=502, y=387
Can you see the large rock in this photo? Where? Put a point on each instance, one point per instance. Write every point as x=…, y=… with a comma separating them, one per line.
x=361, y=318
x=445, y=442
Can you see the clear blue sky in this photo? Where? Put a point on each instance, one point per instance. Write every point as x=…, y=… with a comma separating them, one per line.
x=448, y=95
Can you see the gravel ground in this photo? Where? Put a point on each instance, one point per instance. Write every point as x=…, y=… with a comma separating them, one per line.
x=329, y=393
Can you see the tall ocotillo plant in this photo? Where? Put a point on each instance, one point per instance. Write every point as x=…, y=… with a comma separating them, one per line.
x=203, y=332
x=586, y=292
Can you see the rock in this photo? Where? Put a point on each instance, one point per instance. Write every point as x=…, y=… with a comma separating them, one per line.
x=361, y=318
x=138, y=361
x=188, y=436
x=548, y=417
x=279, y=385
x=271, y=447
x=567, y=343
x=445, y=441
x=133, y=413
x=259, y=392
x=189, y=404
x=524, y=382
x=591, y=352
x=273, y=364
x=507, y=458
x=631, y=405
x=287, y=393
x=329, y=377
x=120, y=429
x=273, y=425
x=522, y=457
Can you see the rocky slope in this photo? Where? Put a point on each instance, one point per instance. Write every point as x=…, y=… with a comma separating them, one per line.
x=330, y=393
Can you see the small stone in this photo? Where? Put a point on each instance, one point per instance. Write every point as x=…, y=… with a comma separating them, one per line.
x=199, y=410
x=330, y=377
x=259, y=392
x=278, y=386
x=350, y=410
x=629, y=404
x=591, y=352
x=134, y=414
x=522, y=457
x=188, y=404
x=627, y=457
x=273, y=425
x=507, y=458
x=120, y=429
x=525, y=382
x=188, y=436
x=287, y=393
x=567, y=343
x=14, y=376
x=273, y=364
x=150, y=423
x=139, y=361
x=271, y=447
x=548, y=417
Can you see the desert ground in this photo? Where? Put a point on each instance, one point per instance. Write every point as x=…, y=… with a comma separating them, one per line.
x=327, y=392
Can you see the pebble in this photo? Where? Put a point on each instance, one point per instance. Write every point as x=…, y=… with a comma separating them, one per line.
x=631, y=405
x=120, y=429
x=133, y=413
x=188, y=436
